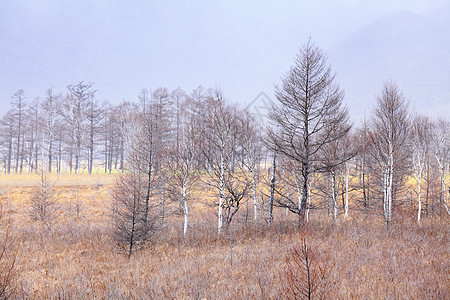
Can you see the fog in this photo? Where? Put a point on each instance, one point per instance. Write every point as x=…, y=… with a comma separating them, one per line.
x=244, y=48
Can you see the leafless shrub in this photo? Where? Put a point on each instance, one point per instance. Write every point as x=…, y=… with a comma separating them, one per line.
x=305, y=276
x=43, y=201
x=132, y=219
x=8, y=273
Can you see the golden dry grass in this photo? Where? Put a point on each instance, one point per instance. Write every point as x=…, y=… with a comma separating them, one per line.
x=76, y=259
x=64, y=179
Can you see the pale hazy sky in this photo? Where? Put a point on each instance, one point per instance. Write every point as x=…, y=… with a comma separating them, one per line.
x=243, y=47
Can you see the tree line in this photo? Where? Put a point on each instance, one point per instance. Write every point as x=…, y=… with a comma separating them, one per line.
x=308, y=156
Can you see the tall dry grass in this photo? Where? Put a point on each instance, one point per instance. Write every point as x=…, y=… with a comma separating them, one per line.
x=76, y=259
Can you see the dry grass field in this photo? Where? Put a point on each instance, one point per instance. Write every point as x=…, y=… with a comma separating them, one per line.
x=74, y=257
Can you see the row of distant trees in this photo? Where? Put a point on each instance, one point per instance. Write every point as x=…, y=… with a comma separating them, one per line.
x=67, y=132
x=307, y=156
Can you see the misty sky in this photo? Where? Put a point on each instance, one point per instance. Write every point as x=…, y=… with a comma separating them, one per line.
x=243, y=47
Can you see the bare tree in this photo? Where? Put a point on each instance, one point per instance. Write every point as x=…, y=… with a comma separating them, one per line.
x=94, y=115
x=305, y=275
x=132, y=218
x=309, y=114
x=8, y=272
x=74, y=113
x=336, y=158
x=43, y=201
x=149, y=143
x=390, y=124
x=252, y=148
x=441, y=153
x=362, y=141
x=184, y=171
x=49, y=108
x=222, y=136
x=19, y=111
x=7, y=134
x=237, y=187
x=421, y=138
x=178, y=96
x=117, y=133
x=33, y=136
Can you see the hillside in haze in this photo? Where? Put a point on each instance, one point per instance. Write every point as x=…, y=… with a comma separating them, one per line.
x=412, y=50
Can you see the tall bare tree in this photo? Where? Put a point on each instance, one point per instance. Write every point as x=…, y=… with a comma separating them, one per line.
x=362, y=141
x=94, y=115
x=49, y=108
x=390, y=125
x=336, y=156
x=34, y=134
x=253, y=150
x=19, y=112
x=74, y=113
x=7, y=134
x=420, y=140
x=309, y=115
x=148, y=146
x=184, y=165
x=223, y=136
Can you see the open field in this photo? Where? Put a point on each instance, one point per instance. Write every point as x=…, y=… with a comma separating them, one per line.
x=75, y=257
x=27, y=180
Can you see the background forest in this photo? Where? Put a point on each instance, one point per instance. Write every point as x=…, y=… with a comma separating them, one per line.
x=187, y=195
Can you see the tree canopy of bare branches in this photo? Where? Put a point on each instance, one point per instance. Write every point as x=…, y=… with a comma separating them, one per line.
x=309, y=114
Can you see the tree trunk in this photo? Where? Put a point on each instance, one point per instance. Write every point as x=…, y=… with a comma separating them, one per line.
x=444, y=192
x=390, y=194
x=10, y=145
x=272, y=189
x=309, y=202
x=346, y=189
x=186, y=209
x=364, y=185
x=419, y=192
x=255, y=200
x=221, y=192
x=333, y=195
x=305, y=172
x=91, y=147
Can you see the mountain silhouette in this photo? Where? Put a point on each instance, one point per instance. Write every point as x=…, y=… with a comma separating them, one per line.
x=410, y=49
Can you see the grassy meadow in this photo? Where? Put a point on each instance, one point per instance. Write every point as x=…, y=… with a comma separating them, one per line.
x=74, y=257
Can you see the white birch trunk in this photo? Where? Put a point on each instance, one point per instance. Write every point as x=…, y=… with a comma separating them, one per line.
x=419, y=171
x=390, y=190
x=333, y=190
x=255, y=199
x=444, y=191
x=419, y=211
x=221, y=192
x=186, y=209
